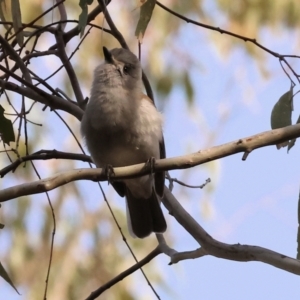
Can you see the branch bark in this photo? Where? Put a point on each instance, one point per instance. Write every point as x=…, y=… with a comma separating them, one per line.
x=124, y=274
x=245, y=145
x=52, y=101
x=209, y=245
x=236, y=252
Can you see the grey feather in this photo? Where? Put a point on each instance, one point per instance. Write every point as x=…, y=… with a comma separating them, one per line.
x=122, y=127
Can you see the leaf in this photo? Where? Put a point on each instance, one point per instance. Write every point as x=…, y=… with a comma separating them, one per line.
x=164, y=84
x=6, y=128
x=5, y=276
x=145, y=17
x=82, y=21
x=2, y=13
x=17, y=21
x=293, y=141
x=281, y=115
x=189, y=90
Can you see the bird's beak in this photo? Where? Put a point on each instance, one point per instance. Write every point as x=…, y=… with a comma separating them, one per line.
x=107, y=55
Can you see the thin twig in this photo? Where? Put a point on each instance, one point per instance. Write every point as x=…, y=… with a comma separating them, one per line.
x=118, y=35
x=191, y=186
x=52, y=236
x=281, y=57
x=124, y=274
x=68, y=67
x=11, y=51
x=44, y=155
x=41, y=96
x=235, y=252
x=75, y=31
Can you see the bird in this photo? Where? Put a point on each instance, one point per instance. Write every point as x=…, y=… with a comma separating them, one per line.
x=121, y=127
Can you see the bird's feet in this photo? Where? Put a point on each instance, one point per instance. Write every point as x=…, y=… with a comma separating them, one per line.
x=109, y=172
x=150, y=164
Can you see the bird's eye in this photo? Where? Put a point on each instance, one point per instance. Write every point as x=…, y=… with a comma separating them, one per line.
x=126, y=69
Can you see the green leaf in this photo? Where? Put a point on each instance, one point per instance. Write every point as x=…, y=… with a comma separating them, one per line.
x=164, y=84
x=2, y=13
x=5, y=276
x=293, y=141
x=17, y=21
x=145, y=17
x=189, y=90
x=6, y=128
x=281, y=115
x=82, y=21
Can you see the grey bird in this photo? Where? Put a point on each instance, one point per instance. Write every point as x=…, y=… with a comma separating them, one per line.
x=122, y=127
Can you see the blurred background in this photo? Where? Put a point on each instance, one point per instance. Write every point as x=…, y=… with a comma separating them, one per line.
x=212, y=89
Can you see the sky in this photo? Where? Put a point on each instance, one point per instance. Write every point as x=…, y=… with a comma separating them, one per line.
x=250, y=202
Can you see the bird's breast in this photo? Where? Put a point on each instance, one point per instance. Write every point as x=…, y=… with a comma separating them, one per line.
x=122, y=129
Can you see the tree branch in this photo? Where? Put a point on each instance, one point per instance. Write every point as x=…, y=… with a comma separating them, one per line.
x=248, y=144
x=69, y=68
x=118, y=35
x=234, y=252
x=75, y=31
x=209, y=245
x=44, y=155
x=124, y=274
x=41, y=96
x=15, y=56
x=164, y=247
x=281, y=57
x=176, y=257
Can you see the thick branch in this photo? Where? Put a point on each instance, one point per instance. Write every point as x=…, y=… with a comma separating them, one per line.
x=182, y=162
x=209, y=245
x=235, y=252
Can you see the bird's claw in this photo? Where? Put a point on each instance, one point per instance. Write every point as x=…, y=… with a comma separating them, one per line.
x=109, y=172
x=151, y=164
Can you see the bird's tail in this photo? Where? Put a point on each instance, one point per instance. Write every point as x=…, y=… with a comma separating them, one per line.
x=144, y=215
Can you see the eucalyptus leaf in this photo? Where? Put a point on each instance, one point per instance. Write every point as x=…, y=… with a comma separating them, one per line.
x=5, y=276
x=82, y=21
x=189, y=90
x=6, y=128
x=2, y=13
x=281, y=115
x=293, y=141
x=17, y=21
x=145, y=17
x=164, y=84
